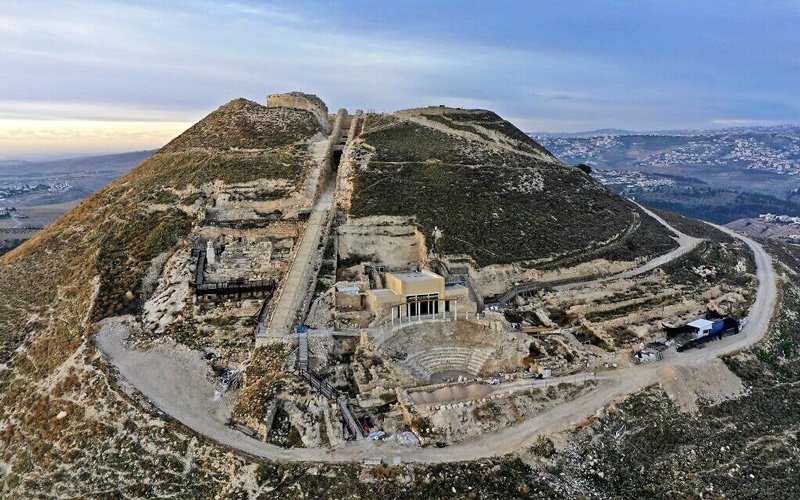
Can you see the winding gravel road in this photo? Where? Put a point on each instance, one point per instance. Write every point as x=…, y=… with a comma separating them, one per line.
x=179, y=383
x=686, y=244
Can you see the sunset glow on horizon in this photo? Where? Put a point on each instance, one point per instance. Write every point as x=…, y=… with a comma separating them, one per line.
x=42, y=139
x=146, y=69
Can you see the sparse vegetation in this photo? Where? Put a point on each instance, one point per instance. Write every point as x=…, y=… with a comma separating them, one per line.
x=89, y=265
x=694, y=227
x=124, y=256
x=491, y=204
x=262, y=374
x=243, y=124
x=484, y=213
x=492, y=121
x=70, y=431
x=713, y=262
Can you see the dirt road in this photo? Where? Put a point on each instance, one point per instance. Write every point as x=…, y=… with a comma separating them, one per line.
x=181, y=389
x=686, y=244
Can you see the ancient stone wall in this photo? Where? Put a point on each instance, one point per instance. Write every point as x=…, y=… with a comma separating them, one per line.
x=393, y=241
x=299, y=100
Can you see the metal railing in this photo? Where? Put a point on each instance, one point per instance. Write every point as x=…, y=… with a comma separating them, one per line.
x=199, y=272
x=235, y=287
x=320, y=384
x=350, y=419
x=331, y=394
x=389, y=320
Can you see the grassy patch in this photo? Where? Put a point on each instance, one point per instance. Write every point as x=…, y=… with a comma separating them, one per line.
x=176, y=170
x=261, y=376
x=483, y=214
x=243, y=124
x=722, y=259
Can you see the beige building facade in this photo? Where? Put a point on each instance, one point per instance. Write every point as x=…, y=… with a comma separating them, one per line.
x=418, y=293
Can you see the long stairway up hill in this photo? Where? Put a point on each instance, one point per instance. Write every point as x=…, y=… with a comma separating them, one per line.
x=287, y=307
x=291, y=301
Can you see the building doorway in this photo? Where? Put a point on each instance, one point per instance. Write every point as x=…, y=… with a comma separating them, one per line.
x=422, y=305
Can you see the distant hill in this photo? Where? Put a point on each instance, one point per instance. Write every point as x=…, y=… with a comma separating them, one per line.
x=496, y=195
x=770, y=151
x=120, y=162
x=90, y=264
x=756, y=130
x=761, y=163
x=586, y=133
x=43, y=190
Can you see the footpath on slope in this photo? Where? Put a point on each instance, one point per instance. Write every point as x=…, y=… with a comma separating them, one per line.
x=685, y=242
x=156, y=375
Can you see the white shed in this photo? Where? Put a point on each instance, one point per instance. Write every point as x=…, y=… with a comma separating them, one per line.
x=702, y=327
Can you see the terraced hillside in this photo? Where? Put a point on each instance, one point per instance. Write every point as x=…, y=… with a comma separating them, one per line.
x=495, y=194
x=114, y=234
x=91, y=264
x=76, y=424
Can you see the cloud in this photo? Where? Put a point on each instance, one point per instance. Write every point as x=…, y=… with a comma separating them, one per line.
x=86, y=110
x=266, y=11
x=128, y=61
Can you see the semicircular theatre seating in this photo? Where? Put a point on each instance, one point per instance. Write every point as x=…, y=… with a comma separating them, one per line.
x=425, y=363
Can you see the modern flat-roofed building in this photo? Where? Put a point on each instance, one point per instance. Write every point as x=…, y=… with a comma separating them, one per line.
x=382, y=300
x=417, y=293
x=420, y=291
x=701, y=327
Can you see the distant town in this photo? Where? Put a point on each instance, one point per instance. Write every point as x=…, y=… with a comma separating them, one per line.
x=780, y=219
x=621, y=180
x=776, y=149
x=12, y=190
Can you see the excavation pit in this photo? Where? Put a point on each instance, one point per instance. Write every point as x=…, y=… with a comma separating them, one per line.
x=451, y=394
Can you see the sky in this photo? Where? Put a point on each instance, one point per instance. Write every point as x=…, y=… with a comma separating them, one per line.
x=86, y=77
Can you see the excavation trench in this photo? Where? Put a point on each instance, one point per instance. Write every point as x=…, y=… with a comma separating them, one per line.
x=451, y=394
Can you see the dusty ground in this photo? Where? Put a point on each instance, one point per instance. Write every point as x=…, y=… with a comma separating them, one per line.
x=712, y=383
x=610, y=386
x=167, y=366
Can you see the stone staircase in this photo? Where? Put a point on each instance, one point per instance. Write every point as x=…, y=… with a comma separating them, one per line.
x=301, y=275
x=349, y=419
x=293, y=297
x=327, y=390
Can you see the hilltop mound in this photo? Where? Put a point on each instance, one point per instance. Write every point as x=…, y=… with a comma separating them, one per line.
x=495, y=194
x=93, y=263
x=243, y=124
x=246, y=178
x=481, y=122
x=102, y=249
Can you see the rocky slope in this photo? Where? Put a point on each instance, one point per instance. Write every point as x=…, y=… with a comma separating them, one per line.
x=70, y=428
x=58, y=412
x=492, y=193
